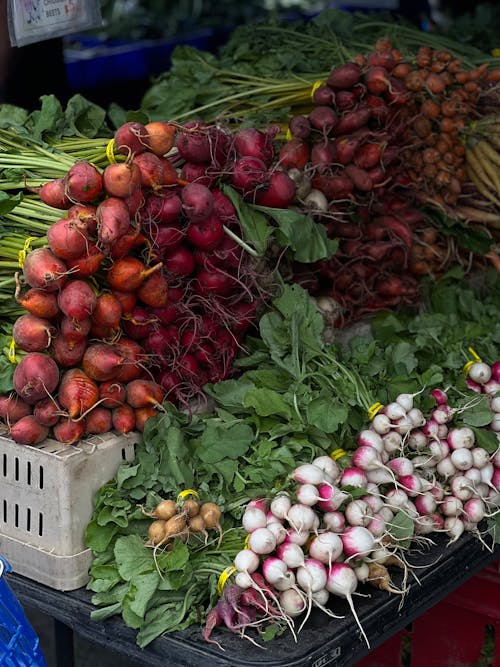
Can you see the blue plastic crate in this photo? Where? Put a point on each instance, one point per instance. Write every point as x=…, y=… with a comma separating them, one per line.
x=19, y=644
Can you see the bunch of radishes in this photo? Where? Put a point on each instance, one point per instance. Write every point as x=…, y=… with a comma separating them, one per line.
x=339, y=525
x=345, y=156
x=144, y=290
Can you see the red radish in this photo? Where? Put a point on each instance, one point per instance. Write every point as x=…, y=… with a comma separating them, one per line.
x=248, y=173
x=66, y=352
x=161, y=136
x=112, y=393
x=170, y=176
x=127, y=273
x=169, y=380
x=323, y=155
x=299, y=126
x=38, y=302
x=151, y=168
x=77, y=300
x=47, y=412
x=180, y=262
x=35, y=377
x=68, y=431
x=113, y=220
x=279, y=193
x=127, y=300
x=214, y=282
x=88, y=264
x=83, y=182
x=12, y=408
x=142, y=415
x=133, y=354
x=294, y=154
x=193, y=142
x=28, y=431
x=323, y=118
x=121, y=179
x=342, y=581
x=77, y=392
x=102, y=361
x=254, y=143
x=197, y=201
x=54, y=194
x=134, y=202
x=123, y=418
x=228, y=252
x=44, y=270
x=67, y=238
x=167, y=314
x=353, y=120
x=368, y=156
x=131, y=138
x=99, y=420
x=31, y=333
x=75, y=330
x=154, y=290
x=333, y=187
x=359, y=177
x=344, y=76
x=141, y=393
x=346, y=148
x=108, y=310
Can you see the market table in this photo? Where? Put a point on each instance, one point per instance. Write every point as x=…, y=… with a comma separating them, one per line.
x=324, y=642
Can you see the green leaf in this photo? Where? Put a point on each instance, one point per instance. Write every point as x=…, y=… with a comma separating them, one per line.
x=220, y=441
x=85, y=119
x=12, y=116
x=9, y=202
x=105, y=612
x=132, y=557
x=266, y=402
x=230, y=393
x=476, y=411
x=401, y=528
x=325, y=414
x=49, y=118
x=146, y=585
x=176, y=559
x=486, y=439
x=98, y=538
x=256, y=227
x=494, y=528
x=306, y=238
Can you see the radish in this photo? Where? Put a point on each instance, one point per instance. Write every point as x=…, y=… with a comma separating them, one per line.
x=329, y=467
x=180, y=261
x=38, y=302
x=307, y=474
x=353, y=477
x=153, y=291
x=248, y=173
x=300, y=517
x=342, y=581
x=113, y=220
x=334, y=521
x=161, y=137
x=344, y=76
x=357, y=541
x=292, y=602
x=326, y=547
x=358, y=513
x=276, y=572
x=262, y=541
x=127, y=274
x=47, y=412
x=35, y=377
x=480, y=372
x=99, y=421
x=123, y=418
x=253, y=518
x=88, y=264
x=101, y=362
x=207, y=233
x=279, y=192
x=461, y=437
x=291, y=553
x=68, y=352
x=69, y=431
x=112, y=393
x=247, y=561
x=151, y=170
x=42, y=269
x=280, y=505
x=193, y=142
x=141, y=393
x=121, y=179
x=254, y=143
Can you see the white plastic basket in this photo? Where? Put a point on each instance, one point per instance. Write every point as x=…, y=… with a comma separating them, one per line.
x=46, y=500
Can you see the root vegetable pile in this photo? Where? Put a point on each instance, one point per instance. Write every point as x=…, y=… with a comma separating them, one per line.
x=344, y=520
x=145, y=290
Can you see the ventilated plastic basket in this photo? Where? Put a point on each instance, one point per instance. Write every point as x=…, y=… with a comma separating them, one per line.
x=46, y=501
x=19, y=645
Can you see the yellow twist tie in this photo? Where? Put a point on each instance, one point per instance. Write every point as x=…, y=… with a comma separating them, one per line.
x=288, y=135
x=110, y=151
x=12, y=352
x=374, y=410
x=337, y=454
x=315, y=87
x=475, y=359
x=187, y=492
x=247, y=539
x=224, y=576
x=495, y=53
x=26, y=249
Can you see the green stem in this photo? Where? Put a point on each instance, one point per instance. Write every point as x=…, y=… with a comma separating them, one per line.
x=240, y=242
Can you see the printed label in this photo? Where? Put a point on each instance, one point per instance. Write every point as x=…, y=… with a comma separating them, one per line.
x=328, y=659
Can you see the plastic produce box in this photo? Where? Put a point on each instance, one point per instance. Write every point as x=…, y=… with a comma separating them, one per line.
x=46, y=501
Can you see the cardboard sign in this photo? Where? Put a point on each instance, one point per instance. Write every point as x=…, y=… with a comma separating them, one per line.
x=35, y=20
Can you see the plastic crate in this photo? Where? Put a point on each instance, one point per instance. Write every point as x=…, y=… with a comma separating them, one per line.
x=19, y=644
x=452, y=633
x=46, y=501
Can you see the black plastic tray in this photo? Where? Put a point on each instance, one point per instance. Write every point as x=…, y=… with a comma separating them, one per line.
x=323, y=642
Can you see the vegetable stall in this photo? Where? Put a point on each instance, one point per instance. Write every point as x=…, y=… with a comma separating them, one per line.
x=285, y=286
